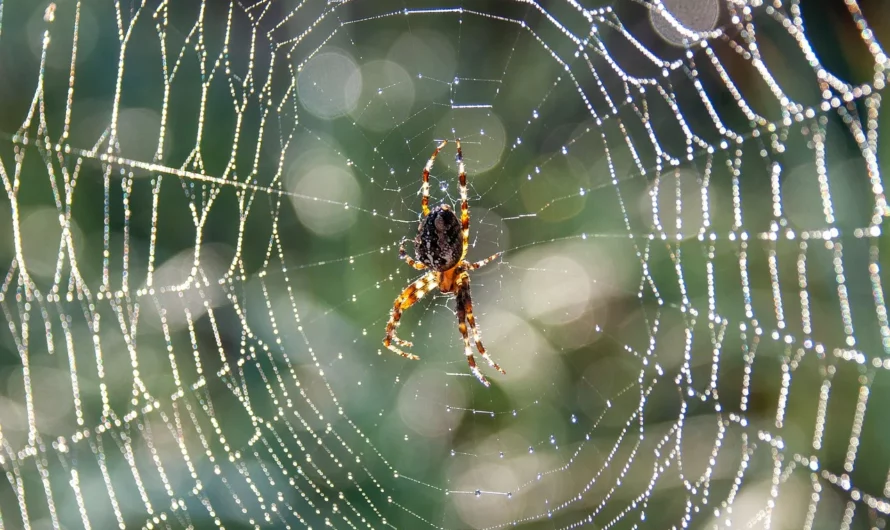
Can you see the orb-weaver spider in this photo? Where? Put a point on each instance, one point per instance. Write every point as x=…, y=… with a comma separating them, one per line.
x=441, y=246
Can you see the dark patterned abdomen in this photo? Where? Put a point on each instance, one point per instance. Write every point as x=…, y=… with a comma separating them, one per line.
x=438, y=244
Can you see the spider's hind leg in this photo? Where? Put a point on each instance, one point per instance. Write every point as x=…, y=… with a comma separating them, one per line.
x=468, y=350
x=464, y=317
x=476, y=335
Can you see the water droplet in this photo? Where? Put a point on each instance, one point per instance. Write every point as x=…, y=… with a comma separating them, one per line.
x=539, y=476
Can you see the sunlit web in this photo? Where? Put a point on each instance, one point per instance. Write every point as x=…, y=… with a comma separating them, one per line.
x=204, y=202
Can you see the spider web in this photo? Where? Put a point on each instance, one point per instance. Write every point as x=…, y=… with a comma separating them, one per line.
x=204, y=203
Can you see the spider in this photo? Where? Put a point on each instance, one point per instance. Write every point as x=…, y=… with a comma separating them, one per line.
x=441, y=246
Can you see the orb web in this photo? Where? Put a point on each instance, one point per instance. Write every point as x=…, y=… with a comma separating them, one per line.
x=204, y=204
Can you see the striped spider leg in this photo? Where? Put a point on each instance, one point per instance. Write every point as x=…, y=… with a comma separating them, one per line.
x=409, y=296
x=465, y=316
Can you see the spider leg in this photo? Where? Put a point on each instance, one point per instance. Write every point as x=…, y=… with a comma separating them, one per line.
x=402, y=342
x=425, y=202
x=464, y=200
x=403, y=254
x=481, y=263
x=409, y=296
x=464, y=317
x=471, y=320
x=468, y=350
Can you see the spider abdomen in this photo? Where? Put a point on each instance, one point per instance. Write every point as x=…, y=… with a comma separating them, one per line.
x=438, y=244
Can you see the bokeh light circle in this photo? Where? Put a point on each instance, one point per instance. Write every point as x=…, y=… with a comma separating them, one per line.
x=329, y=84
x=482, y=135
x=430, y=57
x=694, y=15
x=387, y=95
x=556, y=289
x=426, y=416
x=41, y=235
x=322, y=199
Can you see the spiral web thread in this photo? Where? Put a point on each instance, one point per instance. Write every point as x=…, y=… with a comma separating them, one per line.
x=162, y=455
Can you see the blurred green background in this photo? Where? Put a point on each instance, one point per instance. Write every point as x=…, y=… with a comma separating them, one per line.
x=204, y=204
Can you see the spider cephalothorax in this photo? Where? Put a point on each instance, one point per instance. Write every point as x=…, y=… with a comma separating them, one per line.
x=441, y=246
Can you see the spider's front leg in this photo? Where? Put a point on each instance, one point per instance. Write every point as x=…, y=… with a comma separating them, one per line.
x=409, y=296
x=464, y=200
x=464, y=317
x=425, y=201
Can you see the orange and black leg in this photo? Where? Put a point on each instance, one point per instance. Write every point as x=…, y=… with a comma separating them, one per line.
x=403, y=254
x=409, y=296
x=425, y=201
x=462, y=295
x=471, y=320
x=481, y=263
x=464, y=317
x=464, y=200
